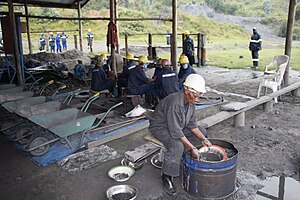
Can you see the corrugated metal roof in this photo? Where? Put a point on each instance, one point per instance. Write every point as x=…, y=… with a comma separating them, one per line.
x=51, y=3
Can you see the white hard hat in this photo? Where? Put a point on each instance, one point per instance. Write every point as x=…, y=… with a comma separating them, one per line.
x=196, y=82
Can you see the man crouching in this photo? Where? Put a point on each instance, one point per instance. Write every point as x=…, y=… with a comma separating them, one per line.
x=172, y=116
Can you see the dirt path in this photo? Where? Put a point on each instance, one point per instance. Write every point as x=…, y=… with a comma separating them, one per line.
x=267, y=144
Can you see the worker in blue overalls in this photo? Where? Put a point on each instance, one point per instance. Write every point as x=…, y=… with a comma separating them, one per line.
x=106, y=66
x=64, y=37
x=57, y=42
x=42, y=42
x=138, y=83
x=166, y=81
x=100, y=81
x=123, y=77
x=185, y=70
x=52, y=42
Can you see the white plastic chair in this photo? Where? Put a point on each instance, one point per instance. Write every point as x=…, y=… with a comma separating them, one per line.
x=273, y=78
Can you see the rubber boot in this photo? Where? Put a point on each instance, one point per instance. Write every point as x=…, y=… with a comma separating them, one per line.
x=168, y=184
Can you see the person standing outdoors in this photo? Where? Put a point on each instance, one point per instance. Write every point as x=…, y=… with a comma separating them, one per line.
x=52, y=42
x=64, y=37
x=42, y=42
x=173, y=119
x=89, y=37
x=188, y=47
x=57, y=41
x=168, y=37
x=254, y=47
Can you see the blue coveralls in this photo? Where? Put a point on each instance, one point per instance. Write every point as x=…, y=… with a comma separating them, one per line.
x=165, y=83
x=254, y=47
x=57, y=41
x=100, y=81
x=138, y=82
x=157, y=71
x=183, y=73
x=89, y=37
x=123, y=77
x=42, y=42
x=63, y=37
x=52, y=43
x=188, y=49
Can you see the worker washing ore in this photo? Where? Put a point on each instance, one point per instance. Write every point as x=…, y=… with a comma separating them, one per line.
x=174, y=118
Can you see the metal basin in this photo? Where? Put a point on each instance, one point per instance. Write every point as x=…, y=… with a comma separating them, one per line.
x=121, y=192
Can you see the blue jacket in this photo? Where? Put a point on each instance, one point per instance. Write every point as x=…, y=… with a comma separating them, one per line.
x=183, y=73
x=98, y=78
x=188, y=46
x=136, y=78
x=166, y=82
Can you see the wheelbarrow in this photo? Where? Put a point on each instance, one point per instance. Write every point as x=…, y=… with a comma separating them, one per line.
x=10, y=119
x=73, y=123
x=11, y=95
x=8, y=88
x=23, y=130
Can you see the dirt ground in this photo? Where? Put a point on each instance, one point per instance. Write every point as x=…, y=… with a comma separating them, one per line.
x=267, y=145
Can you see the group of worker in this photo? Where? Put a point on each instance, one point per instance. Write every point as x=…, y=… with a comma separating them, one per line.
x=133, y=77
x=60, y=41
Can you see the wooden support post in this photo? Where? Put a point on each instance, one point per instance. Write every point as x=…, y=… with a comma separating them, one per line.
x=296, y=92
x=112, y=18
x=79, y=25
x=174, y=36
x=268, y=106
x=150, y=45
x=126, y=43
x=75, y=42
x=198, y=49
x=182, y=41
x=289, y=36
x=28, y=28
x=15, y=41
x=239, y=120
x=117, y=25
x=202, y=49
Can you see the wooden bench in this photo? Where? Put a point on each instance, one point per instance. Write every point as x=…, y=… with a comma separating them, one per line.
x=239, y=116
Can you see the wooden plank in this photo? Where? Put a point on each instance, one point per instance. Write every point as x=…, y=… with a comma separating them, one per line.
x=285, y=90
x=223, y=115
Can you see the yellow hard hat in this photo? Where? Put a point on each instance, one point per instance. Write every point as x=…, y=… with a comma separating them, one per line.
x=129, y=56
x=186, y=32
x=183, y=59
x=89, y=30
x=103, y=56
x=143, y=59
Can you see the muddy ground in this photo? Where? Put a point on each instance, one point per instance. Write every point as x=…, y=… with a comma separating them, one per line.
x=268, y=142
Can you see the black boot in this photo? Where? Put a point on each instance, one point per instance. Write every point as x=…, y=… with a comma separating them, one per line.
x=168, y=184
